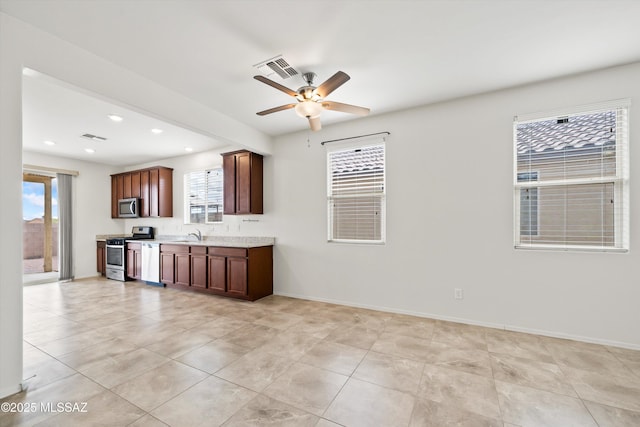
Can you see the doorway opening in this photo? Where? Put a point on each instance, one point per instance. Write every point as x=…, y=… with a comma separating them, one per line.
x=39, y=228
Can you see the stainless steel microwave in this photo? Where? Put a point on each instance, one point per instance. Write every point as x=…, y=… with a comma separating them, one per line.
x=128, y=208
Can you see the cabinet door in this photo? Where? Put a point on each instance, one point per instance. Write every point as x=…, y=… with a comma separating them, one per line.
x=218, y=273
x=237, y=276
x=126, y=186
x=114, y=197
x=100, y=259
x=144, y=193
x=165, y=192
x=243, y=183
x=135, y=184
x=167, y=267
x=229, y=179
x=199, y=271
x=154, y=185
x=183, y=269
x=120, y=187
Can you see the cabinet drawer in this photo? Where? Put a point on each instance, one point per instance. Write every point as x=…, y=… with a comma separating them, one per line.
x=199, y=250
x=134, y=246
x=174, y=248
x=235, y=252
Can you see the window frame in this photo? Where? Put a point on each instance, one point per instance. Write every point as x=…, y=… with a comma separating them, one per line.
x=186, y=196
x=352, y=146
x=620, y=181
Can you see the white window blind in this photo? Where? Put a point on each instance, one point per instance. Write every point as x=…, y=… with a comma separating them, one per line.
x=356, y=194
x=203, y=196
x=570, y=180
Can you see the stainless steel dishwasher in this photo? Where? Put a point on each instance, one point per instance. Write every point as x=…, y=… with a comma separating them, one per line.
x=151, y=263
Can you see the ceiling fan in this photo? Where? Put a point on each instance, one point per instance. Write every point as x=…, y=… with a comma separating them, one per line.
x=311, y=100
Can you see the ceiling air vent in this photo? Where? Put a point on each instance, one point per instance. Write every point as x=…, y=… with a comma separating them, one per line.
x=94, y=137
x=277, y=65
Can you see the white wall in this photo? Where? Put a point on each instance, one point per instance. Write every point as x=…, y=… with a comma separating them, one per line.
x=450, y=222
x=91, y=206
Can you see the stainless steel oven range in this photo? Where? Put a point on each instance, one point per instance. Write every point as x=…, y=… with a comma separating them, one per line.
x=116, y=252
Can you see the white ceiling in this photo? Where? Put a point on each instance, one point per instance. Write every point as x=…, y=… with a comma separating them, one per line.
x=399, y=54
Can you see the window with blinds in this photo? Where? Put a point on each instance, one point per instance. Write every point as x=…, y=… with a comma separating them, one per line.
x=356, y=194
x=570, y=180
x=203, y=196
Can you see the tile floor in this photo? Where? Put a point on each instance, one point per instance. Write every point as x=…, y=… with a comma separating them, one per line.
x=145, y=356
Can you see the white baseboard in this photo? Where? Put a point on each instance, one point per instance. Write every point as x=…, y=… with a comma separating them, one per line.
x=553, y=334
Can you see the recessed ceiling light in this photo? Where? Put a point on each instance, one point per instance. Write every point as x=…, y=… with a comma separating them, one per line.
x=115, y=117
x=49, y=142
x=156, y=131
x=90, y=150
x=188, y=149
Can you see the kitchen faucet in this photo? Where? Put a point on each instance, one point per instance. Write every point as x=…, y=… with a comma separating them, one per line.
x=198, y=235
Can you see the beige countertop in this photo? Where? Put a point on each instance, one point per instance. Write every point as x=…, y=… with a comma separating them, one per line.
x=222, y=241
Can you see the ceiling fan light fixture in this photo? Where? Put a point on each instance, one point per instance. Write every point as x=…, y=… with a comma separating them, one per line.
x=308, y=109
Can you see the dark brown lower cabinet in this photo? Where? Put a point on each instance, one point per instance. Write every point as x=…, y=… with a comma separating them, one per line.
x=245, y=273
x=101, y=258
x=134, y=261
x=217, y=269
x=199, y=267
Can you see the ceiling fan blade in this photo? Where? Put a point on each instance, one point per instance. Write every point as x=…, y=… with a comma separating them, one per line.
x=276, y=85
x=345, y=108
x=333, y=83
x=314, y=123
x=276, y=109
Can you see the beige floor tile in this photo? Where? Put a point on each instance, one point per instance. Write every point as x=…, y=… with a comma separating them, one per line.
x=356, y=336
x=213, y=356
x=390, y=371
x=221, y=326
x=113, y=347
x=335, y=357
x=255, y=370
x=147, y=421
x=316, y=327
x=529, y=407
x=251, y=336
x=470, y=392
x=75, y=342
x=160, y=384
x=291, y=343
x=360, y=403
x=471, y=360
x=630, y=358
x=608, y=416
x=618, y=391
x=427, y=413
x=326, y=423
x=281, y=321
x=402, y=346
x=531, y=373
x=410, y=326
x=54, y=332
x=460, y=336
x=517, y=344
x=265, y=411
x=209, y=403
x=106, y=408
x=306, y=387
x=588, y=357
x=180, y=343
x=112, y=371
x=44, y=372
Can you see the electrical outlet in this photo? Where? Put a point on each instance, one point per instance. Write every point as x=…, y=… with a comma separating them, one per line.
x=458, y=293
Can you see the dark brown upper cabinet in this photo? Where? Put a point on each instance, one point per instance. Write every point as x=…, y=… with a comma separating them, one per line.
x=154, y=187
x=242, y=183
